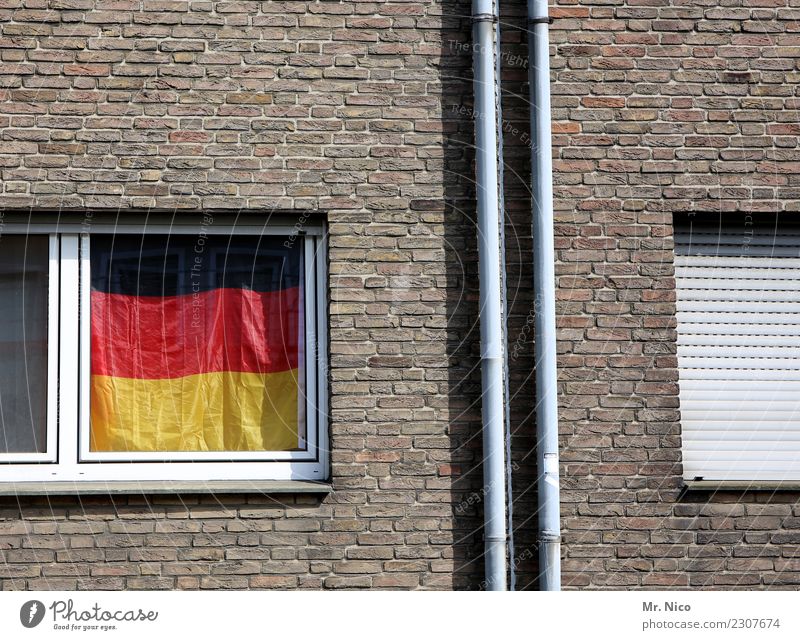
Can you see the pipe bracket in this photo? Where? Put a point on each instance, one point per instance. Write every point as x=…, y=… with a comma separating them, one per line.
x=484, y=17
x=495, y=538
x=546, y=538
x=542, y=20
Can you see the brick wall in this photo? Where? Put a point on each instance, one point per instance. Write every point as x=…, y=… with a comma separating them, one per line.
x=361, y=111
x=659, y=111
x=342, y=108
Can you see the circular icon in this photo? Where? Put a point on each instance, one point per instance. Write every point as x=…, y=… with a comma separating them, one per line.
x=31, y=613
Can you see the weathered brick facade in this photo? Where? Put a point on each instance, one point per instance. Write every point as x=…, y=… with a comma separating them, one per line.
x=360, y=113
x=292, y=107
x=659, y=111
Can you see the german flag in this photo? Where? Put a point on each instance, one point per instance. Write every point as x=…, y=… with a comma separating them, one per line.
x=195, y=343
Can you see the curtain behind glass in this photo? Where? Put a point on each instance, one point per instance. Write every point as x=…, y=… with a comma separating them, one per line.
x=23, y=343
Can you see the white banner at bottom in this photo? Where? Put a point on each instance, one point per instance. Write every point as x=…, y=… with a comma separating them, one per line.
x=401, y=615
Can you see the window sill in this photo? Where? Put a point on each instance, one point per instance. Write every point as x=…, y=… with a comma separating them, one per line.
x=741, y=485
x=160, y=488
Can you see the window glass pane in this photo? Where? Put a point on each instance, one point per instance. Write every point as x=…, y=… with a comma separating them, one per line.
x=23, y=343
x=196, y=343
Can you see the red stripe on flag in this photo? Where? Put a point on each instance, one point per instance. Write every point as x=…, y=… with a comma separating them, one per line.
x=151, y=337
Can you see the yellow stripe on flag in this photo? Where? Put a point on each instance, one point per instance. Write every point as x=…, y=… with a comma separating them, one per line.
x=223, y=411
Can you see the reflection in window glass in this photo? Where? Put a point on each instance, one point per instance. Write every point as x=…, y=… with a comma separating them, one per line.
x=23, y=343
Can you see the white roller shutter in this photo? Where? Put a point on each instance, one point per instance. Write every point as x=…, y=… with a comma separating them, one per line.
x=738, y=297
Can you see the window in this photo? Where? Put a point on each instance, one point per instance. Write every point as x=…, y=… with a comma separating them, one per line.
x=162, y=352
x=738, y=297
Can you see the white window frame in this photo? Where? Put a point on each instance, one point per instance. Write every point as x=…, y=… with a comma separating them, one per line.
x=68, y=457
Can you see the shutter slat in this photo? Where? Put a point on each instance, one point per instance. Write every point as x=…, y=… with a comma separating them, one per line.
x=721, y=340
x=763, y=457
x=789, y=418
x=735, y=251
x=754, y=305
x=700, y=399
x=752, y=273
x=738, y=351
x=740, y=296
x=753, y=237
x=739, y=284
x=737, y=440
x=718, y=329
x=732, y=317
x=746, y=472
x=698, y=263
x=756, y=456
x=762, y=364
x=739, y=387
x=753, y=375
x=738, y=312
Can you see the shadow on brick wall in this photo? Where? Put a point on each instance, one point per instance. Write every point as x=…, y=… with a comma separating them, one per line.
x=463, y=331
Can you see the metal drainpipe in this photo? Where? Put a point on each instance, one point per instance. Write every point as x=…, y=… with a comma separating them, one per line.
x=498, y=63
x=544, y=290
x=491, y=317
